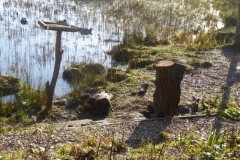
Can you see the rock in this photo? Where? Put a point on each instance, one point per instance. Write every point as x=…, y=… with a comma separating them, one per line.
x=74, y=7
x=24, y=21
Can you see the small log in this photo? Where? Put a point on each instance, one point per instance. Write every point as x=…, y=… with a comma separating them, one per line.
x=167, y=93
x=98, y=105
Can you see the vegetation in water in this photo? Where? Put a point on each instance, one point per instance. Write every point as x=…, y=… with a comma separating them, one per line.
x=85, y=77
x=9, y=85
x=147, y=40
x=28, y=101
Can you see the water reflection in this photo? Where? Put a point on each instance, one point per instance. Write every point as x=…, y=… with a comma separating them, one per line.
x=27, y=51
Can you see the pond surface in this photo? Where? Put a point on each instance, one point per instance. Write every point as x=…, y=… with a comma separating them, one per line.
x=27, y=51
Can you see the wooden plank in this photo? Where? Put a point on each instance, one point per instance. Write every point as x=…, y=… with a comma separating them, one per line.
x=59, y=27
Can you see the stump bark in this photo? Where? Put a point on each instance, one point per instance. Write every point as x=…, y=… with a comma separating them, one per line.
x=167, y=93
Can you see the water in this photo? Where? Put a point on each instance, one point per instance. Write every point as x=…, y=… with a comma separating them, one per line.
x=27, y=51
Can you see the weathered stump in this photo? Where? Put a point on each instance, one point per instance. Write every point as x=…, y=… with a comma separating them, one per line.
x=98, y=105
x=167, y=93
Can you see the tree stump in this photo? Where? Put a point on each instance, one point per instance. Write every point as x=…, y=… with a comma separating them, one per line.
x=96, y=105
x=167, y=93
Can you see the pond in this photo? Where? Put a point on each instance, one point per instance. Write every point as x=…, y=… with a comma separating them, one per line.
x=27, y=51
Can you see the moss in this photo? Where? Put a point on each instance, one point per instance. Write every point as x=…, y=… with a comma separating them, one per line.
x=115, y=75
x=85, y=77
x=71, y=73
x=77, y=72
x=120, y=54
x=142, y=62
x=9, y=85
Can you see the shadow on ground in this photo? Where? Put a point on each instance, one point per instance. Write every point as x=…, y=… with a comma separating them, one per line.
x=148, y=131
x=232, y=53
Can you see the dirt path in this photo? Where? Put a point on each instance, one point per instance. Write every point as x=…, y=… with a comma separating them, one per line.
x=221, y=79
x=134, y=132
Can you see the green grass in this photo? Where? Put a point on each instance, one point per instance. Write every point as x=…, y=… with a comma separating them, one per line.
x=9, y=85
x=28, y=101
x=183, y=145
x=84, y=77
x=231, y=110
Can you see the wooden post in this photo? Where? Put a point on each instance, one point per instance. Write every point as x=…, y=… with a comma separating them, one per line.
x=167, y=93
x=51, y=87
x=59, y=26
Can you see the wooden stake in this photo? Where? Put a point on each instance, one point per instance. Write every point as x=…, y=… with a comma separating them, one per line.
x=51, y=87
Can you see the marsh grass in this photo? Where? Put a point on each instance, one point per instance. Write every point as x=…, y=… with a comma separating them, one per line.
x=9, y=85
x=28, y=101
x=151, y=22
x=228, y=11
x=85, y=77
x=148, y=23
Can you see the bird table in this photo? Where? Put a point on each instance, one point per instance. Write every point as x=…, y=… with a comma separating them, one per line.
x=60, y=26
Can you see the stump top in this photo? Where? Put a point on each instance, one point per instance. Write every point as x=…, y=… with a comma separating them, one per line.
x=59, y=27
x=164, y=63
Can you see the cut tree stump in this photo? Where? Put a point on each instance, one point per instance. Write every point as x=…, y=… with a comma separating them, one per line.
x=167, y=93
